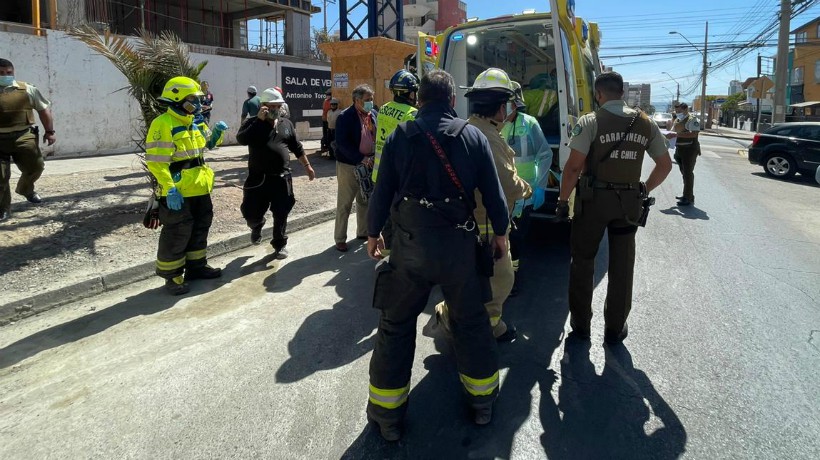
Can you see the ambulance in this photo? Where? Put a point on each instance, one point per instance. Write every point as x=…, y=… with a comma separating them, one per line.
x=553, y=55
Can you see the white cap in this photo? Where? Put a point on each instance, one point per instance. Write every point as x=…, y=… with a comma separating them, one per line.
x=271, y=95
x=252, y=89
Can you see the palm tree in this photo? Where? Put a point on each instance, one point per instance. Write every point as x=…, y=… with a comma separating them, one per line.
x=147, y=62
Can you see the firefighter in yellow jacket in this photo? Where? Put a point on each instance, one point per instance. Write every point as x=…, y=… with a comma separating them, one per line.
x=490, y=105
x=173, y=153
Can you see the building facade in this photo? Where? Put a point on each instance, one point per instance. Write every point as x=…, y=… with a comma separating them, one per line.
x=805, y=71
x=735, y=86
x=431, y=17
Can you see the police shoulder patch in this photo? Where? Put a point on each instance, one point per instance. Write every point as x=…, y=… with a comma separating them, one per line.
x=157, y=135
x=577, y=129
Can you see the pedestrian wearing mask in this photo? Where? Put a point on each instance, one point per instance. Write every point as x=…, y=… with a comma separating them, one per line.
x=269, y=186
x=250, y=108
x=173, y=154
x=355, y=145
x=687, y=150
x=332, y=116
x=429, y=195
x=608, y=146
x=491, y=104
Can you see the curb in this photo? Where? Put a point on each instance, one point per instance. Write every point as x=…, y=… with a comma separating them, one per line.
x=729, y=136
x=45, y=301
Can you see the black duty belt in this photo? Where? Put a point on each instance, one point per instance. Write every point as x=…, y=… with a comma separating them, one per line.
x=616, y=185
x=178, y=166
x=15, y=134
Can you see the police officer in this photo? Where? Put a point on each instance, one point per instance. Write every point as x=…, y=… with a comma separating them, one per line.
x=173, y=154
x=687, y=150
x=18, y=136
x=270, y=140
x=608, y=146
x=434, y=243
x=533, y=159
x=404, y=86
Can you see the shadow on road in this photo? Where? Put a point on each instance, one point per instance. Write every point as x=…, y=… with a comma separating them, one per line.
x=617, y=414
x=438, y=423
x=333, y=335
x=687, y=212
x=799, y=179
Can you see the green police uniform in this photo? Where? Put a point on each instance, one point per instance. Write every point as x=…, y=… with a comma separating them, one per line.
x=614, y=205
x=687, y=152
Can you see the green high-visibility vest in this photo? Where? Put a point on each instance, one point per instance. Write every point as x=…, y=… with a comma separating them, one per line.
x=390, y=115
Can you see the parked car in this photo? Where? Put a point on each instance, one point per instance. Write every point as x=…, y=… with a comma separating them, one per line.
x=787, y=148
x=662, y=119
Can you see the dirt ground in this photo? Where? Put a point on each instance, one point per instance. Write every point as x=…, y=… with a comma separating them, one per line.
x=90, y=223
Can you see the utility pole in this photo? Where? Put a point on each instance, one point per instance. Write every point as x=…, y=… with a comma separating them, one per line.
x=782, y=64
x=758, y=90
x=704, y=112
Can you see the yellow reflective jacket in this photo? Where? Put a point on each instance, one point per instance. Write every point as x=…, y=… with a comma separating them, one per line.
x=390, y=115
x=514, y=187
x=173, y=138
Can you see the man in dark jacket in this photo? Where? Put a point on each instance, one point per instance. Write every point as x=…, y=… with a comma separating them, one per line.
x=434, y=242
x=355, y=144
x=270, y=139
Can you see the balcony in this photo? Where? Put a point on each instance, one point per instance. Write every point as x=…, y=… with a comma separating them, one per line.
x=415, y=11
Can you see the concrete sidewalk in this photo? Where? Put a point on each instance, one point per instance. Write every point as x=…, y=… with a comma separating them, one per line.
x=32, y=303
x=731, y=133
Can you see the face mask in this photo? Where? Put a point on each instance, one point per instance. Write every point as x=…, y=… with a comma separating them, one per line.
x=680, y=116
x=192, y=107
x=6, y=80
x=273, y=114
x=368, y=106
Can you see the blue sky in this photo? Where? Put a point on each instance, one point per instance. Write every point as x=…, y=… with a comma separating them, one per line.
x=643, y=26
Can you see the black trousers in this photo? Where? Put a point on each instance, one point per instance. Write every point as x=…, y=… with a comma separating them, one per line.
x=331, y=136
x=184, y=237
x=688, y=156
x=428, y=252
x=607, y=211
x=325, y=135
x=272, y=192
x=518, y=233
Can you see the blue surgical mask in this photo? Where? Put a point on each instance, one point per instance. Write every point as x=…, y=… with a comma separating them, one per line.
x=680, y=116
x=6, y=80
x=368, y=106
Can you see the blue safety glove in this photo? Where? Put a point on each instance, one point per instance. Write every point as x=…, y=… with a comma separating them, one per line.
x=538, y=197
x=174, y=199
x=219, y=128
x=518, y=209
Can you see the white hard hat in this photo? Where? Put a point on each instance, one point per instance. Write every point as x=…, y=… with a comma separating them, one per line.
x=270, y=95
x=491, y=79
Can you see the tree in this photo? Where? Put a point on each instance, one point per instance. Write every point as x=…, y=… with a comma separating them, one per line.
x=320, y=36
x=733, y=101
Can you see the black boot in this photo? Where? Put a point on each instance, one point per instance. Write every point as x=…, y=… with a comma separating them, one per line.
x=206, y=273
x=177, y=286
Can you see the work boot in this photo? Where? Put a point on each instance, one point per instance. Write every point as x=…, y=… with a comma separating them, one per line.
x=509, y=334
x=5, y=215
x=206, y=273
x=483, y=415
x=177, y=285
x=256, y=233
x=579, y=332
x=391, y=432
x=685, y=202
x=33, y=197
x=280, y=253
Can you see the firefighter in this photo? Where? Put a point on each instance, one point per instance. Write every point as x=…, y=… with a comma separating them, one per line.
x=490, y=104
x=173, y=154
x=431, y=203
x=18, y=136
x=404, y=86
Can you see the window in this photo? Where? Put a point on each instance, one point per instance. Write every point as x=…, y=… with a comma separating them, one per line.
x=817, y=71
x=800, y=37
x=797, y=76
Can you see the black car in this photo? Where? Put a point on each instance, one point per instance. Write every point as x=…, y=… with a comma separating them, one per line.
x=786, y=149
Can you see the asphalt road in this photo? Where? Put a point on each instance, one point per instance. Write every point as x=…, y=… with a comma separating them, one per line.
x=722, y=361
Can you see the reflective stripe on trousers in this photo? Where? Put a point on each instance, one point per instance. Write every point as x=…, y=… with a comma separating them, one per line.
x=480, y=387
x=389, y=398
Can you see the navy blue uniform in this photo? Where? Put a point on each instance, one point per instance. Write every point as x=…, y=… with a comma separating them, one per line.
x=429, y=248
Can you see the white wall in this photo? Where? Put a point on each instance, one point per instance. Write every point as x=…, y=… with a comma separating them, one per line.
x=93, y=114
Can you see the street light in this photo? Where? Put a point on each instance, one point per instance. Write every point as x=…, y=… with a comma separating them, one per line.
x=703, y=109
x=671, y=94
x=677, y=97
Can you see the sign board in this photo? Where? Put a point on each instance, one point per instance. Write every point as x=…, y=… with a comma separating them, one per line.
x=720, y=101
x=341, y=80
x=305, y=92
